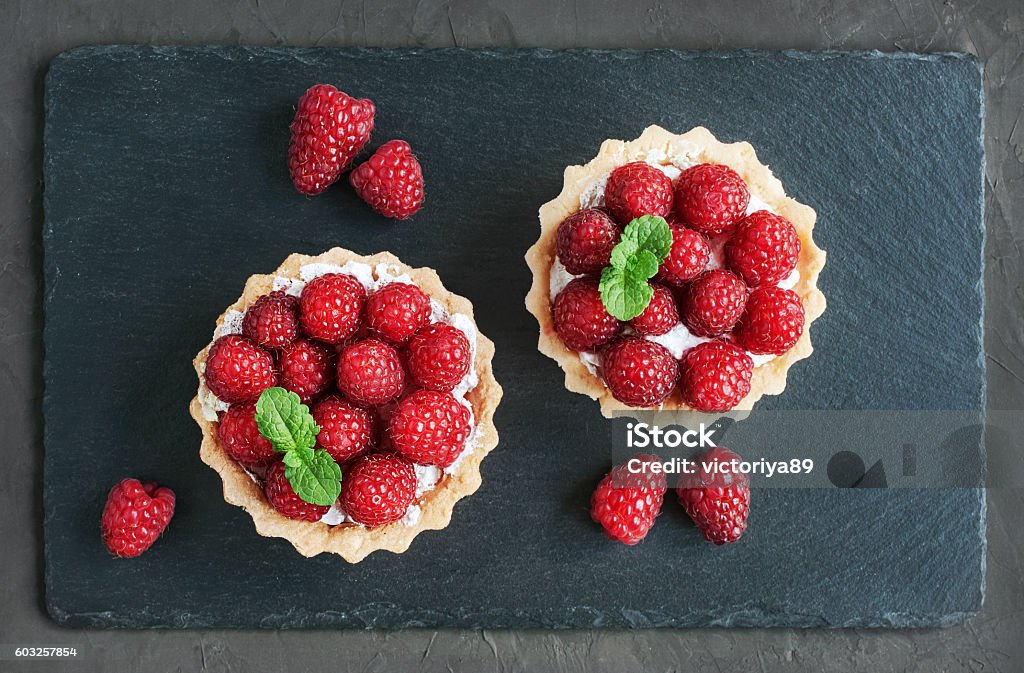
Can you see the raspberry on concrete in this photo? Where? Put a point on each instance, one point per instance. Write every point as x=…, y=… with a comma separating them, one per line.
x=717, y=501
x=391, y=181
x=626, y=503
x=329, y=130
x=135, y=515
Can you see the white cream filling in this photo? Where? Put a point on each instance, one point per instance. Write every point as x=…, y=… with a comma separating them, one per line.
x=679, y=339
x=427, y=476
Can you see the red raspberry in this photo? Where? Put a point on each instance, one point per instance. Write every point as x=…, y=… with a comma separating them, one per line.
x=241, y=438
x=640, y=373
x=636, y=189
x=272, y=321
x=439, y=357
x=585, y=241
x=328, y=131
x=718, y=503
x=772, y=322
x=715, y=376
x=307, y=369
x=378, y=489
x=391, y=181
x=430, y=428
x=713, y=302
x=135, y=515
x=397, y=311
x=331, y=307
x=237, y=370
x=687, y=259
x=711, y=198
x=660, y=316
x=626, y=503
x=285, y=500
x=370, y=372
x=581, y=320
x=763, y=249
x=346, y=431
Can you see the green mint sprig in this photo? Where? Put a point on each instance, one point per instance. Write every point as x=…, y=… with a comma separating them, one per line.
x=645, y=243
x=285, y=421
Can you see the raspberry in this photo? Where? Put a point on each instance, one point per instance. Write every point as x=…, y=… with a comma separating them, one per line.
x=718, y=502
x=430, y=428
x=585, y=241
x=763, y=249
x=272, y=321
x=715, y=376
x=331, y=307
x=397, y=311
x=391, y=181
x=346, y=431
x=285, y=500
x=637, y=189
x=772, y=322
x=687, y=258
x=370, y=372
x=237, y=370
x=640, y=373
x=581, y=320
x=713, y=303
x=439, y=357
x=135, y=515
x=329, y=129
x=378, y=489
x=660, y=316
x=711, y=198
x=241, y=438
x=307, y=369
x=626, y=503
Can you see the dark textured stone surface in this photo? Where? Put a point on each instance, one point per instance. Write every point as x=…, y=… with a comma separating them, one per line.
x=166, y=187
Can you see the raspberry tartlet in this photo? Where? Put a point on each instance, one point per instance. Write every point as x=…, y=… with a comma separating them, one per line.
x=347, y=402
x=674, y=273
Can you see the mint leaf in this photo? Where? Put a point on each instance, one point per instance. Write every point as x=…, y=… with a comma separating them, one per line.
x=314, y=475
x=645, y=243
x=284, y=420
x=652, y=233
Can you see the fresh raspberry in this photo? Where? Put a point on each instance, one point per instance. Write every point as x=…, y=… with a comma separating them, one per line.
x=581, y=320
x=763, y=248
x=715, y=376
x=307, y=369
x=272, y=321
x=329, y=129
x=237, y=370
x=438, y=357
x=391, y=181
x=660, y=316
x=718, y=502
x=135, y=515
x=640, y=373
x=626, y=503
x=585, y=241
x=370, y=372
x=430, y=428
x=711, y=198
x=331, y=307
x=397, y=311
x=687, y=258
x=713, y=302
x=772, y=322
x=637, y=189
x=378, y=489
x=346, y=431
x=241, y=438
x=285, y=500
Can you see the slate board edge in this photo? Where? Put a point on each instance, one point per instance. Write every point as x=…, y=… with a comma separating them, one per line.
x=329, y=620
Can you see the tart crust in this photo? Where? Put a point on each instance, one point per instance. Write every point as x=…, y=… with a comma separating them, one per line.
x=348, y=540
x=700, y=146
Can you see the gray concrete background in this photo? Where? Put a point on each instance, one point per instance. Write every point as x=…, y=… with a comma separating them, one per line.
x=33, y=31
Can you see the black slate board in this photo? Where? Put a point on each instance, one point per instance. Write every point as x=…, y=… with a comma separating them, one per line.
x=166, y=186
